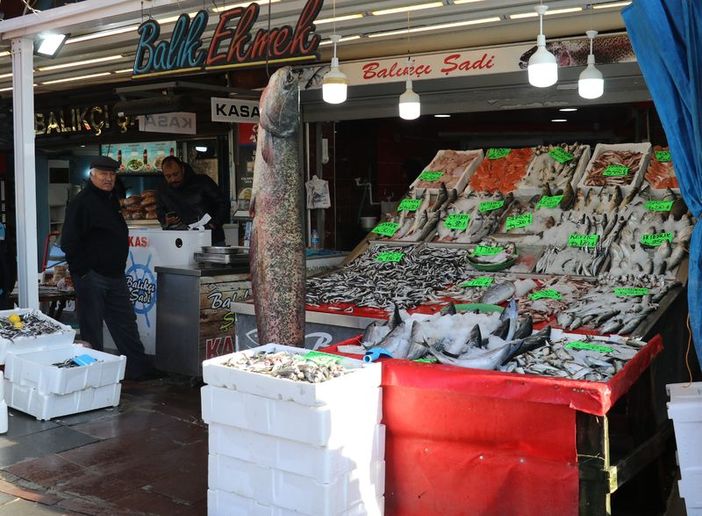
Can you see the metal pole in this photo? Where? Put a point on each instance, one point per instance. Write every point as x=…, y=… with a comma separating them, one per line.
x=25, y=172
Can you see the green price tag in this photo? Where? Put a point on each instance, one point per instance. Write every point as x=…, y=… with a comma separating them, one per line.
x=519, y=221
x=458, y=221
x=386, y=229
x=490, y=206
x=390, y=257
x=498, y=153
x=430, y=176
x=659, y=205
x=589, y=347
x=630, y=292
x=427, y=360
x=576, y=240
x=561, y=155
x=409, y=205
x=663, y=156
x=322, y=358
x=484, y=281
x=547, y=293
x=656, y=239
x=549, y=201
x=616, y=171
x=487, y=250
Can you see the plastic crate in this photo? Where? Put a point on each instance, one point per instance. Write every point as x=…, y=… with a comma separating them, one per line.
x=685, y=409
x=318, y=426
x=48, y=406
x=271, y=487
x=62, y=337
x=35, y=369
x=363, y=376
x=319, y=463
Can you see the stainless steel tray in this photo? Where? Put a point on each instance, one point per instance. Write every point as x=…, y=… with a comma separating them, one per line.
x=211, y=249
x=220, y=258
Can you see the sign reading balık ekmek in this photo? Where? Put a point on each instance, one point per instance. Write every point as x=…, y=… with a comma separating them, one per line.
x=234, y=111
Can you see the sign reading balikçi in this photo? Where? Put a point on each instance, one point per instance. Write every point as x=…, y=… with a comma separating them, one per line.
x=233, y=44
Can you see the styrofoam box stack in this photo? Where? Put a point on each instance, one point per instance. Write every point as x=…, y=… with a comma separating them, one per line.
x=3, y=407
x=35, y=386
x=279, y=447
x=685, y=409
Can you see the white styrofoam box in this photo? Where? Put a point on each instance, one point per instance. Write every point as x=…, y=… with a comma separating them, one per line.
x=62, y=337
x=462, y=182
x=318, y=426
x=690, y=487
x=48, y=406
x=319, y=463
x=35, y=369
x=221, y=503
x=273, y=487
x=3, y=406
x=643, y=148
x=685, y=409
x=524, y=192
x=363, y=376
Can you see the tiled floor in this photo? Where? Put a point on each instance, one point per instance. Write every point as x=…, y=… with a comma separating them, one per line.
x=148, y=456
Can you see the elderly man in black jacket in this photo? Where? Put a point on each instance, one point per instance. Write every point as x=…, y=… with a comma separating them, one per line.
x=96, y=242
x=187, y=197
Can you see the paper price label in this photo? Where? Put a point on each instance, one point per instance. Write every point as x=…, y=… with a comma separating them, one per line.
x=498, y=153
x=519, y=221
x=656, y=239
x=616, y=171
x=386, y=229
x=430, y=176
x=547, y=293
x=560, y=155
x=390, y=257
x=484, y=281
x=457, y=221
x=409, y=205
x=322, y=358
x=659, y=205
x=589, y=346
x=663, y=156
x=576, y=240
x=490, y=206
x=549, y=201
x=487, y=250
x=630, y=292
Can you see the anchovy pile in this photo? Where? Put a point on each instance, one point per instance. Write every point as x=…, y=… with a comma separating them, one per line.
x=595, y=360
x=407, y=283
x=30, y=325
x=286, y=365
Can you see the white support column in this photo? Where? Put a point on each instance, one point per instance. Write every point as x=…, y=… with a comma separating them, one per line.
x=25, y=171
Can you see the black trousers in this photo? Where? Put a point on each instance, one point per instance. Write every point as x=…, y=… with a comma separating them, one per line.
x=103, y=298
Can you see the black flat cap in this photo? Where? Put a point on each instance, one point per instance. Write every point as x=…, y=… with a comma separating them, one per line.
x=104, y=163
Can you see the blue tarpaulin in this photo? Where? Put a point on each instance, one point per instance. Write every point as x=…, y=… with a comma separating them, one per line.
x=667, y=38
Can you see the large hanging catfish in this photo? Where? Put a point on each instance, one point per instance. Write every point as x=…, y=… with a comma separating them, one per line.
x=277, y=247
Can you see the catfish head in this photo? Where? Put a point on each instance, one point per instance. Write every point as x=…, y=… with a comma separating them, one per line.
x=279, y=114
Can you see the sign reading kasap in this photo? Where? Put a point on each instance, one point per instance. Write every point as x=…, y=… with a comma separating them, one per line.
x=175, y=123
x=233, y=43
x=234, y=111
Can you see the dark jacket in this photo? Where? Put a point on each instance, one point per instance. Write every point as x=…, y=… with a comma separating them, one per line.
x=95, y=236
x=198, y=195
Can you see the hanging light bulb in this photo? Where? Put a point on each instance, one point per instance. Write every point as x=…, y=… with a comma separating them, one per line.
x=410, y=107
x=591, y=82
x=542, y=68
x=335, y=82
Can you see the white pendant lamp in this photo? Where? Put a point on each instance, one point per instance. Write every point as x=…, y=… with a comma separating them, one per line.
x=542, y=68
x=410, y=107
x=335, y=82
x=591, y=82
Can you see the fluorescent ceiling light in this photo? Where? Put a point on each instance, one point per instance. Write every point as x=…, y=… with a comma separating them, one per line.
x=173, y=19
x=4, y=53
x=6, y=89
x=79, y=63
x=201, y=148
x=338, y=18
x=568, y=109
x=50, y=44
x=102, y=34
x=548, y=13
x=407, y=8
x=436, y=27
x=81, y=77
x=347, y=38
x=610, y=5
x=459, y=2
x=242, y=4
x=6, y=75
x=124, y=70
x=559, y=120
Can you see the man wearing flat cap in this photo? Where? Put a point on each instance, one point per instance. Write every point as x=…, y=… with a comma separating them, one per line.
x=96, y=242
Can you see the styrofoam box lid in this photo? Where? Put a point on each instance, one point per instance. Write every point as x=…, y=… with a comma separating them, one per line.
x=362, y=376
x=62, y=337
x=35, y=369
x=320, y=463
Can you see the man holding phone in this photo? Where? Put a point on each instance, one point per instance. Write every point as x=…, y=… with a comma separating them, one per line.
x=186, y=197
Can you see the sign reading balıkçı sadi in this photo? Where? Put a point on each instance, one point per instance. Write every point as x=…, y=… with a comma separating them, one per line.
x=233, y=43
